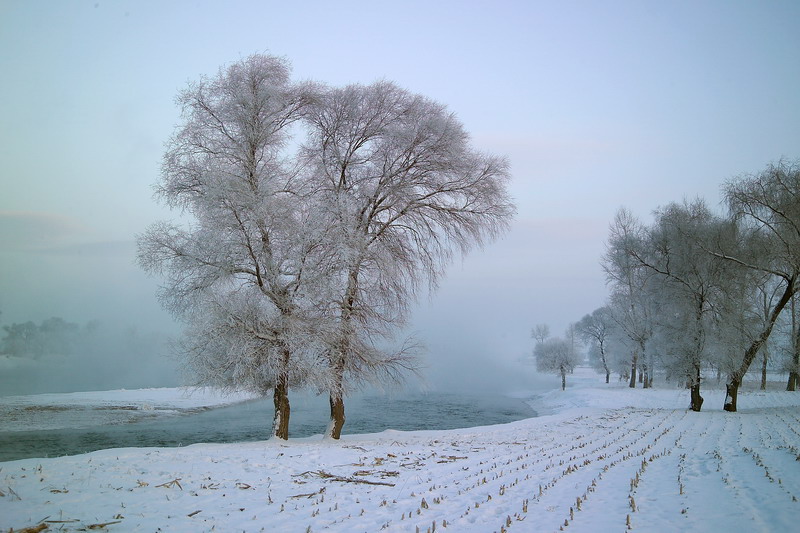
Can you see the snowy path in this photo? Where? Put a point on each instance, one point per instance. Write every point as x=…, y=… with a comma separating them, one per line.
x=584, y=470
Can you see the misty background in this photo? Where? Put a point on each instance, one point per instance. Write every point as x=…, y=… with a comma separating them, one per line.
x=595, y=105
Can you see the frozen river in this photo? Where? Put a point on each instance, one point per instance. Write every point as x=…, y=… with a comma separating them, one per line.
x=251, y=420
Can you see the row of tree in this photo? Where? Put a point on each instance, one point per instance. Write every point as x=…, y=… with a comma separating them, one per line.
x=315, y=215
x=53, y=336
x=695, y=292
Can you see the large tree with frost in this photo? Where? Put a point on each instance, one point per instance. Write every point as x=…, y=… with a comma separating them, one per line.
x=766, y=207
x=402, y=191
x=245, y=270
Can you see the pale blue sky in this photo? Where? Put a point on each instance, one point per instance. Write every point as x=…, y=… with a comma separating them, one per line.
x=596, y=104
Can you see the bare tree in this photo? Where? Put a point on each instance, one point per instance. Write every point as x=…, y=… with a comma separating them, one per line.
x=404, y=191
x=767, y=208
x=242, y=274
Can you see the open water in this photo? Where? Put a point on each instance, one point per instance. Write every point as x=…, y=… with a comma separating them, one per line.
x=251, y=421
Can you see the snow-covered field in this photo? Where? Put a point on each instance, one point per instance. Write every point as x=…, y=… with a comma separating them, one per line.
x=87, y=409
x=606, y=459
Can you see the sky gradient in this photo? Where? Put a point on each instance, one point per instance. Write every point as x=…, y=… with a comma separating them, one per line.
x=597, y=105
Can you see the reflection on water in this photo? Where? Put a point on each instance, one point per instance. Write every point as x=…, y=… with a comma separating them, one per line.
x=251, y=421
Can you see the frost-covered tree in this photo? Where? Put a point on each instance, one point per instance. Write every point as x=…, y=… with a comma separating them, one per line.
x=630, y=304
x=246, y=271
x=595, y=330
x=558, y=356
x=766, y=207
x=540, y=332
x=688, y=284
x=402, y=190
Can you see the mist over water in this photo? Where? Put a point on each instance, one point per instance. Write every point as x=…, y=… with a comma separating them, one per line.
x=112, y=357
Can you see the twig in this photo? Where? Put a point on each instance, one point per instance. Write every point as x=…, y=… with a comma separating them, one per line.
x=170, y=484
x=325, y=475
x=33, y=529
x=103, y=525
x=194, y=513
x=309, y=495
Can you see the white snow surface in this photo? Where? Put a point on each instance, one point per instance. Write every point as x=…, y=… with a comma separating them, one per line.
x=87, y=409
x=606, y=458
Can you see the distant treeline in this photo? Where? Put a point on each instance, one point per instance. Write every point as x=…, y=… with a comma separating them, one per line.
x=56, y=355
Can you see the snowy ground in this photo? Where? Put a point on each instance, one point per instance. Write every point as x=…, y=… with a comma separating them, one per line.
x=87, y=409
x=607, y=459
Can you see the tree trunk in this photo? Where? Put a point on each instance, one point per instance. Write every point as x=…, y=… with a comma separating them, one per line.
x=280, y=423
x=337, y=417
x=336, y=396
x=336, y=400
x=563, y=380
x=696, y=400
x=735, y=379
x=280, y=397
x=764, y=369
x=792, y=384
x=794, y=377
x=634, y=368
x=608, y=375
x=731, y=394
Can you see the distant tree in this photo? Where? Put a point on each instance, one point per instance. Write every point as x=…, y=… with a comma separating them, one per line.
x=22, y=340
x=595, y=330
x=766, y=207
x=540, y=332
x=630, y=303
x=403, y=191
x=244, y=274
x=557, y=356
x=54, y=336
x=688, y=283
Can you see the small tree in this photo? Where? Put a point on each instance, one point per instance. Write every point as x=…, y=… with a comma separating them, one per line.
x=595, y=329
x=540, y=332
x=556, y=355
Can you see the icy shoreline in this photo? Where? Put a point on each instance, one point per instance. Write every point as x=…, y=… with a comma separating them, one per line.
x=607, y=457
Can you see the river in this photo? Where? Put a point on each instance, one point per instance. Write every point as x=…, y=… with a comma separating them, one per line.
x=251, y=421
